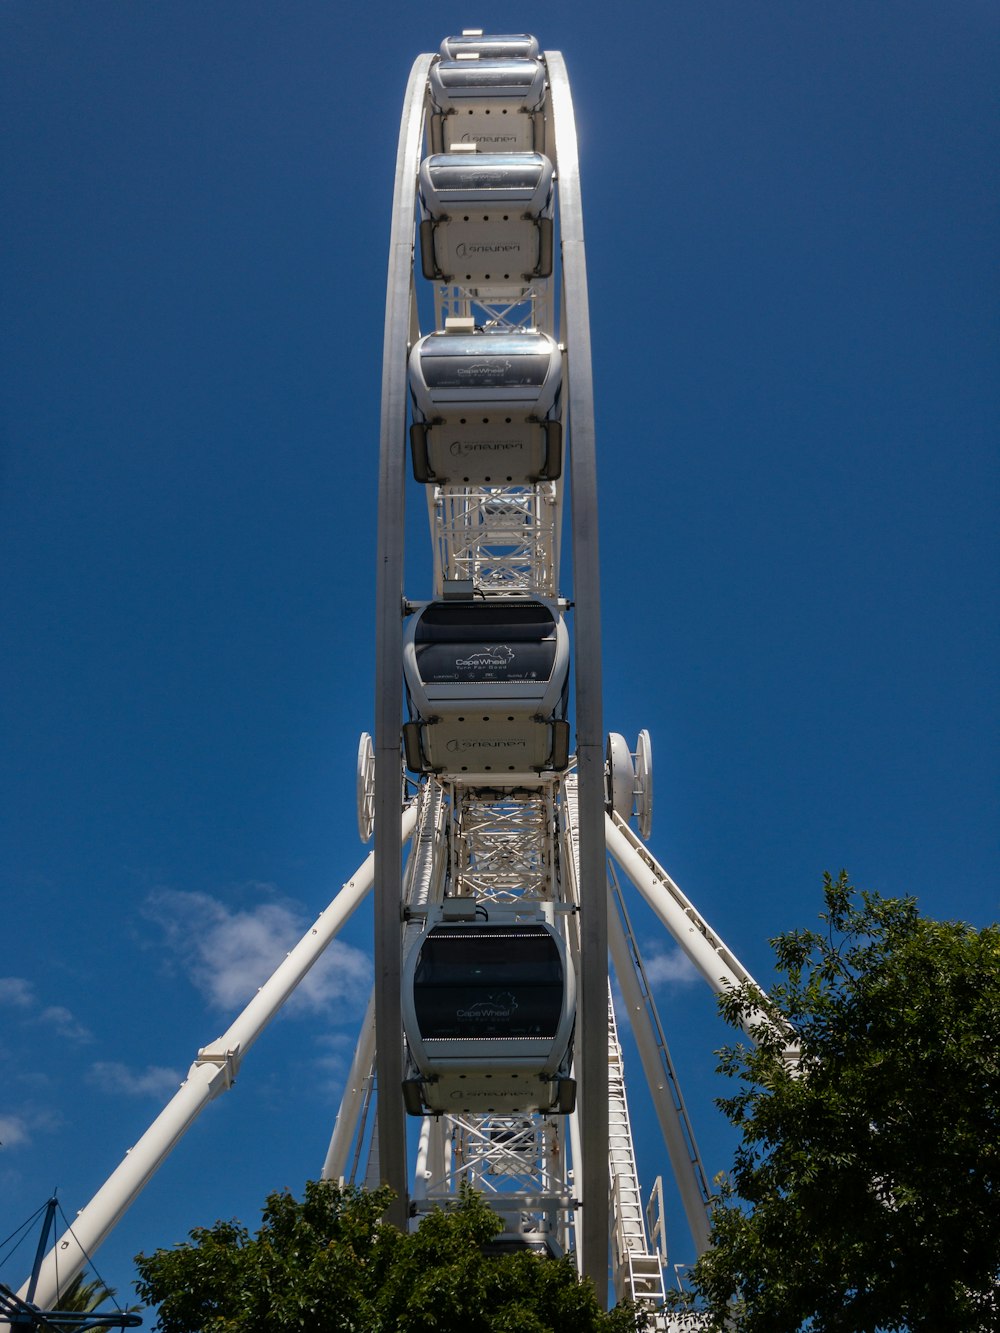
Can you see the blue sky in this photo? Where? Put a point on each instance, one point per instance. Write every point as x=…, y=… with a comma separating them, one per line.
x=791, y=216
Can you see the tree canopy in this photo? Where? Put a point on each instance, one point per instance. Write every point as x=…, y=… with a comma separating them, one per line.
x=328, y=1263
x=863, y=1195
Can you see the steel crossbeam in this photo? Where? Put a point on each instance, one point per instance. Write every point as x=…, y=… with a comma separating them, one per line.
x=504, y=850
x=503, y=539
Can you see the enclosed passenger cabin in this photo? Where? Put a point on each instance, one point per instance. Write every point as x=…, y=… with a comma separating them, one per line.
x=486, y=408
x=488, y=1012
x=486, y=220
x=490, y=46
x=486, y=682
x=493, y=102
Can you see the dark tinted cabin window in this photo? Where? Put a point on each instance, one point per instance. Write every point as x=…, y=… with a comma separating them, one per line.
x=473, y=641
x=487, y=74
x=502, y=176
x=451, y=663
x=502, y=618
x=483, y=982
x=500, y=46
x=484, y=370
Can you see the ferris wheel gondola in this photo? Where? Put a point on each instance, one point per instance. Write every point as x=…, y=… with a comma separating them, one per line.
x=492, y=46
x=495, y=102
x=487, y=682
x=488, y=1012
x=486, y=408
x=486, y=220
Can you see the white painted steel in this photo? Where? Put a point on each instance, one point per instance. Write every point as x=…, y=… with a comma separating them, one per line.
x=505, y=541
x=621, y=775
x=717, y=964
x=661, y=1079
x=422, y=1173
x=576, y=1152
x=365, y=787
x=354, y=1099
x=635, y=1269
x=644, y=784
x=592, y=1042
x=503, y=851
x=400, y=321
x=213, y=1072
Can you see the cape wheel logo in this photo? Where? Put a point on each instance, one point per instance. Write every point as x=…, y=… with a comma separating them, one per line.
x=488, y=658
x=495, y=1008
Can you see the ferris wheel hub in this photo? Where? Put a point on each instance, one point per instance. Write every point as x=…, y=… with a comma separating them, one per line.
x=366, y=787
x=629, y=779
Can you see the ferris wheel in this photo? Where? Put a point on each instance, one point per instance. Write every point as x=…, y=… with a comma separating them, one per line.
x=489, y=1052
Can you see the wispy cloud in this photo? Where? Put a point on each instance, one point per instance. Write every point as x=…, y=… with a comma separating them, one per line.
x=153, y=1081
x=13, y=1131
x=17, y=1129
x=670, y=969
x=17, y=992
x=228, y=954
x=67, y=1026
x=20, y=994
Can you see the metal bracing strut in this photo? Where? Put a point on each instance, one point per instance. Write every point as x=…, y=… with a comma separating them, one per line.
x=355, y=1100
x=717, y=963
x=661, y=1077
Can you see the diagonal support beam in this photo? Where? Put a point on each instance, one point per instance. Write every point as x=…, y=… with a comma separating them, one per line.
x=212, y=1073
x=717, y=963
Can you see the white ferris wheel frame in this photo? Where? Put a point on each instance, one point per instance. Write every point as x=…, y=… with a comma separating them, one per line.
x=512, y=550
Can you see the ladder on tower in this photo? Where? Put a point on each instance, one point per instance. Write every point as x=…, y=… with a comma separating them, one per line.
x=636, y=1271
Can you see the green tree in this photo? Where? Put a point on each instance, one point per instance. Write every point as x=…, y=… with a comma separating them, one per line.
x=329, y=1264
x=864, y=1194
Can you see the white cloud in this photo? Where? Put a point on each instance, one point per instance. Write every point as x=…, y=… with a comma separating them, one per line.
x=228, y=954
x=670, y=969
x=60, y=1018
x=17, y=992
x=153, y=1081
x=13, y=1130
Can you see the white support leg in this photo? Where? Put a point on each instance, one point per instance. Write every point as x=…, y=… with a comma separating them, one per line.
x=213, y=1072
x=717, y=964
x=686, y=1168
x=576, y=1156
x=346, y=1125
x=422, y=1174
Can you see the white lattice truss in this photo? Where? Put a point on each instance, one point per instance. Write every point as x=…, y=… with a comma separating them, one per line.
x=503, y=538
x=531, y=308
x=504, y=850
x=517, y=1162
